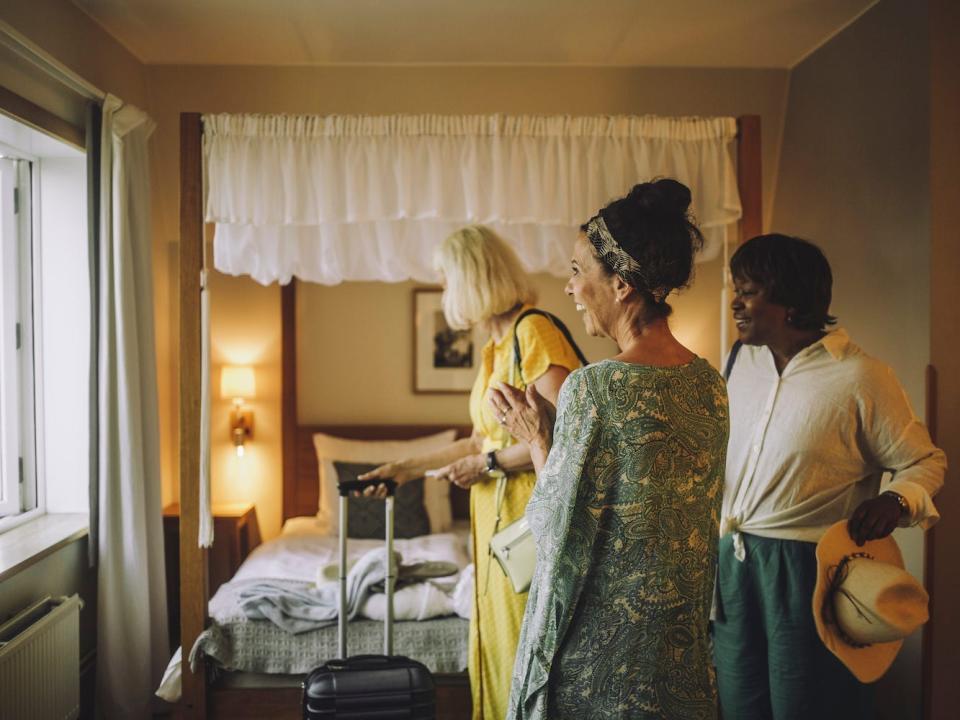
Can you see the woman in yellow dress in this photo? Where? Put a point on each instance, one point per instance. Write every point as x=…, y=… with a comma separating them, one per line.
x=485, y=285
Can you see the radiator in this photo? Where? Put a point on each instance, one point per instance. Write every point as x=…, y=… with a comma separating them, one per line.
x=40, y=662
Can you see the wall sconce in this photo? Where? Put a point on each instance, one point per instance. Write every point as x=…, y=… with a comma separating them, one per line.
x=239, y=384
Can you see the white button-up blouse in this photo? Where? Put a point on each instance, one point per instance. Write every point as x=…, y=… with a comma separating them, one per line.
x=808, y=446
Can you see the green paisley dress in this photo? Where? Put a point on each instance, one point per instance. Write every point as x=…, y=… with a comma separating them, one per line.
x=626, y=516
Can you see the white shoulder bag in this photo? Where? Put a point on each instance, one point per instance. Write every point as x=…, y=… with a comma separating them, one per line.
x=513, y=547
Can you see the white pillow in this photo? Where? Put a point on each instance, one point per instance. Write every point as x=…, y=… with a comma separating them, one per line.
x=436, y=493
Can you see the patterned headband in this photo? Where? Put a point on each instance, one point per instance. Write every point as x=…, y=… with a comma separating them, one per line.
x=619, y=259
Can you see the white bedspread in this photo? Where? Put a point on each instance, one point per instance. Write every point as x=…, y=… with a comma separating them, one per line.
x=303, y=549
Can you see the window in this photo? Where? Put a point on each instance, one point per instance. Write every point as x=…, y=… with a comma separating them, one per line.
x=18, y=484
x=44, y=326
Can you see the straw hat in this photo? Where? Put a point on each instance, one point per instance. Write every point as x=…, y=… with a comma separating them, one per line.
x=865, y=603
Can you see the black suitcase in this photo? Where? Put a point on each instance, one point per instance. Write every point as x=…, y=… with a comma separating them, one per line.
x=369, y=687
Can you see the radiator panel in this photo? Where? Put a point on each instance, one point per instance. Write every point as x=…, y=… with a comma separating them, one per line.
x=40, y=662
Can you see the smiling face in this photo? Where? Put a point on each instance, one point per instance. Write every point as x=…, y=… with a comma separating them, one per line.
x=592, y=288
x=759, y=320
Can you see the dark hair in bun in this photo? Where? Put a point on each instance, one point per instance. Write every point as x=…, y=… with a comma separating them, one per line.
x=653, y=225
x=665, y=195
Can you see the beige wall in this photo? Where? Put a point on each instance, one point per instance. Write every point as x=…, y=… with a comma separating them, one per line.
x=944, y=582
x=854, y=179
x=364, y=376
x=244, y=318
x=363, y=332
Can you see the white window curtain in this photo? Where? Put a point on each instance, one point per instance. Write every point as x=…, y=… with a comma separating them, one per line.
x=131, y=583
x=328, y=199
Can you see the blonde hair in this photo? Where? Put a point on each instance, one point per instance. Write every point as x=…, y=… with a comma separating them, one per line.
x=483, y=276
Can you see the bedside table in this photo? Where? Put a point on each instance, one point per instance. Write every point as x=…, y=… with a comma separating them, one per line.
x=235, y=534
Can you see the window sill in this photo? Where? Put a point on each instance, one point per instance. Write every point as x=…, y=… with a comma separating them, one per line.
x=29, y=543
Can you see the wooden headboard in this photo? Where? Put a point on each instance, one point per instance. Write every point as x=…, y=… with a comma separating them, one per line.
x=304, y=485
x=301, y=484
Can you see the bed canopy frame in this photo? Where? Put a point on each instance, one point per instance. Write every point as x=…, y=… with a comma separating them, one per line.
x=300, y=486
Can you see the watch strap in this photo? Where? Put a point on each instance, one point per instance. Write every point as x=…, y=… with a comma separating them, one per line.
x=901, y=501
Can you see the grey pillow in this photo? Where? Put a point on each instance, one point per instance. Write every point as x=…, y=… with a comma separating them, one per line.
x=366, y=515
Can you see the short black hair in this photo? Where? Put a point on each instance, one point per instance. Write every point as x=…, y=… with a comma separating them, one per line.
x=653, y=225
x=793, y=272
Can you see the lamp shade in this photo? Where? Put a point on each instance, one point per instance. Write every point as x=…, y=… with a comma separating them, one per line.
x=237, y=382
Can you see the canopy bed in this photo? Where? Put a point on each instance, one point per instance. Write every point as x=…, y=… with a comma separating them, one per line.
x=273, y=235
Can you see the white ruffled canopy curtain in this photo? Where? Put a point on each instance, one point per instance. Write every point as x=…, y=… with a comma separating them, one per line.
x=132, y=645
x=328, y=199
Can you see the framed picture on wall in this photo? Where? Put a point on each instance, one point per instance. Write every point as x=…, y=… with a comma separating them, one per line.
x=444, y=359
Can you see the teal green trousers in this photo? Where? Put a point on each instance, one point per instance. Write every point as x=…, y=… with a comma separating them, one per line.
x=771, y=664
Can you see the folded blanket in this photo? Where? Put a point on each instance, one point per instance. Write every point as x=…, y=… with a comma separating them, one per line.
x=406, y=574
x=300, y=609
x=425, y=600
x=421, y=601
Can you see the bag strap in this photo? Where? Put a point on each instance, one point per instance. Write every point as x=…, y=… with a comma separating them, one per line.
x=558, y=323
x=731, y=359
x=517, y=363
x=517, y=359
x=501, y=493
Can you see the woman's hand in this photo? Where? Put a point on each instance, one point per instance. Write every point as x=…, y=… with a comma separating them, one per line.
x=874, y=518
x=399, y=471
x=463, y=473
x=527, y=416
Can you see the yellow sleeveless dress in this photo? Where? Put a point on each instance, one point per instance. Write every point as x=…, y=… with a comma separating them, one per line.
x=497, y=609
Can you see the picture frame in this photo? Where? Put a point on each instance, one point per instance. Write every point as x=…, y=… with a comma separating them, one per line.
x=445, y=361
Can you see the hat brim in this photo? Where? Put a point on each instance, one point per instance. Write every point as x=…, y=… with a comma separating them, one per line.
x=867, y=664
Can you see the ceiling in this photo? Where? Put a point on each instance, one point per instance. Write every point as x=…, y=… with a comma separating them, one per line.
x=620, y=33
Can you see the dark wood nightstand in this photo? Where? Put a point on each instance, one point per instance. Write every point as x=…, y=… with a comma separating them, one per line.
x=235, y=534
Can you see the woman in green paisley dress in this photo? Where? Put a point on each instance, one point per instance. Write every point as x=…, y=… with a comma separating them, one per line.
x=626, y=508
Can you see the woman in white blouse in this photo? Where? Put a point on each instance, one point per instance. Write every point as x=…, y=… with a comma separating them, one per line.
x=814, y=424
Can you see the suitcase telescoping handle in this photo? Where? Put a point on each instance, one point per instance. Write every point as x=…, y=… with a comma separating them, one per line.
x=346, y=488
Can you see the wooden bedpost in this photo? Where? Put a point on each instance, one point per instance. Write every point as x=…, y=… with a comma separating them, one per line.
x=193, y=559
x=749, y=176
x=288, y=393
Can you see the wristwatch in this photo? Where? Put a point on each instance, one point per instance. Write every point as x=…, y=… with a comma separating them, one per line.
x=901, y=501
x=492, y=463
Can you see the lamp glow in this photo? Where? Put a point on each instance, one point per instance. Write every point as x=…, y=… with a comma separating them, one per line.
x=239, y=383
